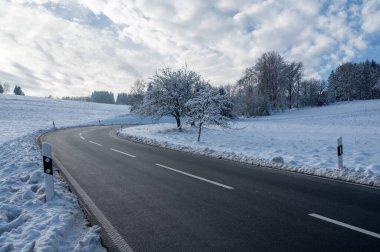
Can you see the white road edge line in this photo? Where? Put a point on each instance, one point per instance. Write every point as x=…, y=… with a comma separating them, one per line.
x=193, y=176
x=129, y=155
x=80, y=135
x=345, y=225
x=95, y=143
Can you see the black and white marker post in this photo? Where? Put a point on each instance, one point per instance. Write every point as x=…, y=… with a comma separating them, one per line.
x=48, y=170
x=340, y=153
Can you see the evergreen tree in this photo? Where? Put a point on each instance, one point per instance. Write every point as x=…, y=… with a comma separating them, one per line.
x=331, y=89
x=376, y=90
x=352, y=81
x=102, y=97
x=122, y=99
x=1, y=88
x=226, y=109
x=18, y=91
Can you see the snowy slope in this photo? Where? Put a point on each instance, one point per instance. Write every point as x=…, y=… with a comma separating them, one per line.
x=27, y=222
x=305, y=139
x=23, y=115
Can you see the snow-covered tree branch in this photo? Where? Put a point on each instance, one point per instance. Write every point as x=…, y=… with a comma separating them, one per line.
x=168, y=91
x=206, y=108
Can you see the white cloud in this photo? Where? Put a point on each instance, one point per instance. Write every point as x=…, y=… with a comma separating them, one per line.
x=73, y=47
x=51, y=55
x=371, y=16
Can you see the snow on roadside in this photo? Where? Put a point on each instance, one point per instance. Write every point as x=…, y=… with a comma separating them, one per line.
x=27, y=222
x=298, y=140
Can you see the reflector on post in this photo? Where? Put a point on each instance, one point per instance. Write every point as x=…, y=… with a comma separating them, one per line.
x=48, y=170
x=340, y=153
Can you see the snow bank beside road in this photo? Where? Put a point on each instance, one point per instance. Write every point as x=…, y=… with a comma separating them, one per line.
x=27, y=222
x=305, y=139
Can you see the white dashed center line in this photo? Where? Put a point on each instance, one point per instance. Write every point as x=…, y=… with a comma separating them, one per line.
x=95, y=143
x=345, y=225
x=129, y=155
x=80, y=135
x=196, y=177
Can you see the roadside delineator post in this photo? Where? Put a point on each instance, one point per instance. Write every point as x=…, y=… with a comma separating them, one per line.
x=48, y=170
x=340, y=153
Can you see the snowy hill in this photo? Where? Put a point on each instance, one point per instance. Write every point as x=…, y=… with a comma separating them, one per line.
x=21, y=115
x=305, y=139
x=27, y=222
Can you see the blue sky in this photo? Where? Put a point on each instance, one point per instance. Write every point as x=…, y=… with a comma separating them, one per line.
x=71, y=48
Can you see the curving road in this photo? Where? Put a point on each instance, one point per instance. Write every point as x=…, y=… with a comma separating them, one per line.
x=156, y=199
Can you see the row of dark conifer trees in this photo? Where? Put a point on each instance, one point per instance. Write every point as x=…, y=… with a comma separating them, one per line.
x=133, y=98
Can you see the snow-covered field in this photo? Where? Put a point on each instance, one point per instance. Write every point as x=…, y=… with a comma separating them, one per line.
x=305, y=139
x=27, y=222
x=23, y=115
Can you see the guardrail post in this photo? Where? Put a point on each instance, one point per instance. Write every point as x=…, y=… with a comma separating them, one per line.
x=48, y=170
x=340, y=153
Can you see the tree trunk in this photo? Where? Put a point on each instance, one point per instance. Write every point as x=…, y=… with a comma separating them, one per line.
x=199, y=131
x=290, y=99
x=178, y=120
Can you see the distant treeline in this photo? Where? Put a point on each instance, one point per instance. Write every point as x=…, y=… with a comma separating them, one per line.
x=134, y=98
x=355, y=81
x=5, y=88
x=275, y=83
x=77, y=98
x=96, y=96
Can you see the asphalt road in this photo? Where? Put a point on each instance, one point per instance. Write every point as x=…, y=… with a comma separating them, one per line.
x=163, y=200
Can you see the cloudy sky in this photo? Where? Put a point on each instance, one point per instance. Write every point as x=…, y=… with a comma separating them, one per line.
x=64, y=47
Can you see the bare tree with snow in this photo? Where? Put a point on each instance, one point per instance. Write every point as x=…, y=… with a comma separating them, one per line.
x=168, y=91
x=206, y=108
x=6, y=87
x=136, y=95
x=271, y=84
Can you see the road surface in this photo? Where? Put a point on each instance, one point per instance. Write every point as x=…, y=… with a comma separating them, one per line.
x=163, y=200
